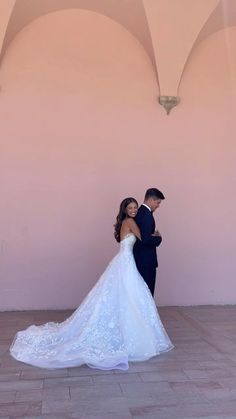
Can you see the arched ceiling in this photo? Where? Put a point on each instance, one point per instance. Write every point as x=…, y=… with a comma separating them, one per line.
x=129, y=14
x=224, y=15
x=168, y=31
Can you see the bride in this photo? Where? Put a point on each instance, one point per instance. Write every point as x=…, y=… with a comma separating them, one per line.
x=116, y=323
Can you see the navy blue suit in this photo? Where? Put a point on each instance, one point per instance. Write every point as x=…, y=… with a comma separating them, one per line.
x=145, y=250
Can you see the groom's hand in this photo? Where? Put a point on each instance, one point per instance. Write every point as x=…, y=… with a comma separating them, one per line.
x=156, y=233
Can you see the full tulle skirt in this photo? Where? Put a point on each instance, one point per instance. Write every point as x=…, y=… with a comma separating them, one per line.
x=116, y=323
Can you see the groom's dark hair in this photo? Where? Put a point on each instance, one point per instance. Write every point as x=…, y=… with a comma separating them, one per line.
x=154, y=193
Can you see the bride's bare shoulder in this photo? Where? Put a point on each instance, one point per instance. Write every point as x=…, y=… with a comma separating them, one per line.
x=130, y=222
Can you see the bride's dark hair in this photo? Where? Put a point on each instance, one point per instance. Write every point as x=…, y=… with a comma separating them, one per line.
x=122, y=215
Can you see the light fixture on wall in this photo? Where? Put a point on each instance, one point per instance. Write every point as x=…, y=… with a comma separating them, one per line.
x=168, y=102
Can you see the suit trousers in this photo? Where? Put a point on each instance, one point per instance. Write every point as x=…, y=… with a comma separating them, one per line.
x=149, y=275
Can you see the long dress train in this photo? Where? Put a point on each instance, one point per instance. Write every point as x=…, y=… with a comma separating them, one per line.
x=116, y=323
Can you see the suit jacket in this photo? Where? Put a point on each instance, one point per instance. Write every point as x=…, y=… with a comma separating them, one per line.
x=145, y=250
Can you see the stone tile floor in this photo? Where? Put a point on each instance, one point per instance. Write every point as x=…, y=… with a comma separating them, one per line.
x=195, y=380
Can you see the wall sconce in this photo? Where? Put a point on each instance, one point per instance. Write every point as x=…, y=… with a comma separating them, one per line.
x=168, y=102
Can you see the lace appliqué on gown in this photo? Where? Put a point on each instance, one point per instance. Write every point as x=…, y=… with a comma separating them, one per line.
x=116, y=323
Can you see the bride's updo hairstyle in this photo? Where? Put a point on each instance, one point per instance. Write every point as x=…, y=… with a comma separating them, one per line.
x=122, y=215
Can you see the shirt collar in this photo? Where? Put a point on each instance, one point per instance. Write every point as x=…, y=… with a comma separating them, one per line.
x=145, y=205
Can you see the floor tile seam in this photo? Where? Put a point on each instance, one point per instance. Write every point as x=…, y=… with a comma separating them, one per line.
x=205, y=335
x=203, y=332
x=194, y=324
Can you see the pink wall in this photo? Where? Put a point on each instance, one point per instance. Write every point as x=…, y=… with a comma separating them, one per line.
x=80, y=129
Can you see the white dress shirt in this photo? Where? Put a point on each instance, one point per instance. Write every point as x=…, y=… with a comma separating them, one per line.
x=145, y=205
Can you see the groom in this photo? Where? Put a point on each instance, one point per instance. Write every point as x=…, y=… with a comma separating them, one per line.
x=145, y=249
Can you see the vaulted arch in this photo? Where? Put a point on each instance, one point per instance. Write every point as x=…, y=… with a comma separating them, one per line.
x=223, y=16
x=168, y=31
x=128, y=14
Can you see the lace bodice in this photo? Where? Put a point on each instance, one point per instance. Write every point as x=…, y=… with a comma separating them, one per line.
x=127, y=244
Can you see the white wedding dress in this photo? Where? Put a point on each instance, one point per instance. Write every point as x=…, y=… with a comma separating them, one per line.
x=116, y=323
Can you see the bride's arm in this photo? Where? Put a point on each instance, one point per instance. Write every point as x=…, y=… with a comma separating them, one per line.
x=134, y=228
